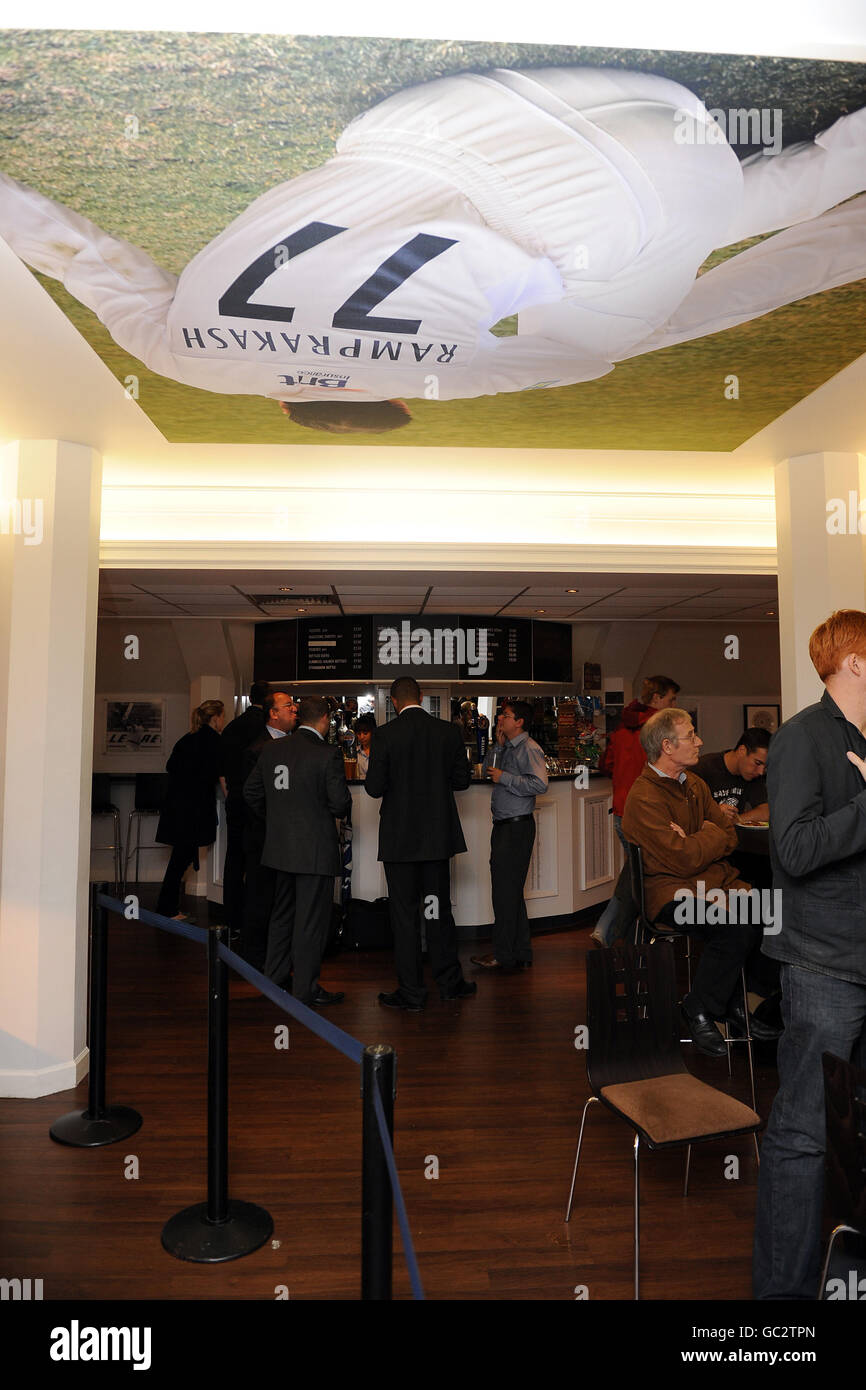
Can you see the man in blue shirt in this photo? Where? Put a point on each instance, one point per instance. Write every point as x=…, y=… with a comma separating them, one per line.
x=519, y=774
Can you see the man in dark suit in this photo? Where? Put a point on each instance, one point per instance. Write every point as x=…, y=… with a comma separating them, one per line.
x=236, y=738
x=416, y=764
x=281, y=716
x=299, y=786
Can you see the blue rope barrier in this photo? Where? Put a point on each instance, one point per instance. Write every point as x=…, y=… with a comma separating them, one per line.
x=154, y=919
x=397, y=1192
x=329, y=1032
x=343, y=1042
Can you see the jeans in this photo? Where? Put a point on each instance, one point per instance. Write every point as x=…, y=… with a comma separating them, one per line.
x=606, y=926
x=821, y=1014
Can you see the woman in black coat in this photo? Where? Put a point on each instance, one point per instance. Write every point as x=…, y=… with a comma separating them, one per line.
x=189, y=814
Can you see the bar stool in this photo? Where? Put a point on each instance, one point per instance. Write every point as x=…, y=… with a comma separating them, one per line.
x=102, y=805
x=150, y=792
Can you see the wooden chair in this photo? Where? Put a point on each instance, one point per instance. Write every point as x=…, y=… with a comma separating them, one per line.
x=635, y=1066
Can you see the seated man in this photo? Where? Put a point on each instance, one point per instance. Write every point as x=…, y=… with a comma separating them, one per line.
x=736, y=778
x=685, y=837
x=737, y=784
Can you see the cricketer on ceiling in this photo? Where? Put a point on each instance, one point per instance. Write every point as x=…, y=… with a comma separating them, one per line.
x=584, y=200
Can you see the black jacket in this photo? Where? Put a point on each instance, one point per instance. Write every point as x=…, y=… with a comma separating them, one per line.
x=189, y=814
x=236, y=738
x=300, y=833
x=416, y=764
x=818, y=842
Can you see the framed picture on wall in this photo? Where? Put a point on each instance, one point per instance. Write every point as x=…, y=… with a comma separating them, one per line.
x=134, y=726
x=761, y=717
x=694, y=713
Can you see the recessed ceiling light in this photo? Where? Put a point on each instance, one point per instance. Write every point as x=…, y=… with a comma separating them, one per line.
x=572, y=591
x=541, y=610
x=285, y=588
x=770, y=613
x=300, y=610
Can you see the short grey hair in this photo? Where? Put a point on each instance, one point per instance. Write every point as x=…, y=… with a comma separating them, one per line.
x=659, y=727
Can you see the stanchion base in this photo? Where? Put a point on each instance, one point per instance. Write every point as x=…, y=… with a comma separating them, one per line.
x=190, y=1236
x=85, y=1132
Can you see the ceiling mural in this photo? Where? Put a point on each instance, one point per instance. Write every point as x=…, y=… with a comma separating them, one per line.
x=318, y=240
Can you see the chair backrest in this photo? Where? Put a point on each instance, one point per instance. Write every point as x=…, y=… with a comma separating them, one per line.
x=845, y=1170
x=631, y=1015
x=100, y=793
x=635, y=864
x=150, y=790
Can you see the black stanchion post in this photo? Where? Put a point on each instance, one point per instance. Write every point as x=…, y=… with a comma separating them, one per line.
x=378, y=1069
x=217, y=1084
x=218, y=1229
x=98, y=1124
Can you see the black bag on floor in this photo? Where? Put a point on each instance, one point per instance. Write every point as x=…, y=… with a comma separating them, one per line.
x=336, y=940
x=367, y=926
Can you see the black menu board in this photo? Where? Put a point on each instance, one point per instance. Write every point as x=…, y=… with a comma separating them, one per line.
x=422, y=647
x=275, y=653
x=505, y=654
x=335, y=648
x=551, y=651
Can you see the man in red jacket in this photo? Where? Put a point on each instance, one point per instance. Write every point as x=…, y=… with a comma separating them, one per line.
x=623, y=761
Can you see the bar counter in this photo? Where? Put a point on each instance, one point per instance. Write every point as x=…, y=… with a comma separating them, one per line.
x=574, y=863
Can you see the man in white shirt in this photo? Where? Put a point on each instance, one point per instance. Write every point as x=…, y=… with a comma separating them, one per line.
x=585, y=200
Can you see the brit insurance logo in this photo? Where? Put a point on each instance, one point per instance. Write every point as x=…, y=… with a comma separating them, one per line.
x=314, y=378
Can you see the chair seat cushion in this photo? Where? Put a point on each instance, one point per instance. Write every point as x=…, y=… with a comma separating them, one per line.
x=678, y=1109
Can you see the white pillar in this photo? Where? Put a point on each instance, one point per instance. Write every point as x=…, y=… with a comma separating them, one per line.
x=48, y=603
x=820, y=569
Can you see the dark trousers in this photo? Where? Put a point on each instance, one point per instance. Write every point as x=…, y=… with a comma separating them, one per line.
x=821, y=1014
x=259, y=886
x=727, y=949
x=168, y=902
x=298, y=930
x=234, y=865
x=422, y=892
x=511, y=844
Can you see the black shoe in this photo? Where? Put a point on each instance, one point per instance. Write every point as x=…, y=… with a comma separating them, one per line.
x=705, y=1035
x=322, y=998
x=461, y=991
x=760, y=1031
x=399, y=1001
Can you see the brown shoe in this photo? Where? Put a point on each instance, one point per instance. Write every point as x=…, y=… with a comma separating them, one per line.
x=491, y=963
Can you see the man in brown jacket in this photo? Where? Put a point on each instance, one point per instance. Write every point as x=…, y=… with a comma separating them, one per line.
x=684, y=837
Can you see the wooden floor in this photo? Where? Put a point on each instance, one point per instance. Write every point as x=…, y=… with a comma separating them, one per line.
x=492, y=1086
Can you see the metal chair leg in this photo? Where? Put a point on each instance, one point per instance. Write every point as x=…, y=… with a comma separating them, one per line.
x=637, y=1217
x=688, y=1165
x=137, y=849
x=128, y=849
x=748, y=1043
x=577, y=1156
x=825, y=1269
x=115, y=816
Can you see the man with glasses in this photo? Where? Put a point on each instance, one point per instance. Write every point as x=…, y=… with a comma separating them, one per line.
x=685, y=839
x=280, y=716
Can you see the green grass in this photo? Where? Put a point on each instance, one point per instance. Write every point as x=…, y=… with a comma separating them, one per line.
x=222, y=118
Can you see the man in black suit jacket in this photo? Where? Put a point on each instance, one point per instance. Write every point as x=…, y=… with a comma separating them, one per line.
x=236, y=738
x=259, y=882
x=299, y=786
x=416, y=764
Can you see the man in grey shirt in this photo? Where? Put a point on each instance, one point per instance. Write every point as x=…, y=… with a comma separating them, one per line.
x=515, y=763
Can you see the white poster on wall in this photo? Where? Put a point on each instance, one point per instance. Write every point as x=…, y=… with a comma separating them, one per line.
x=134, y=726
